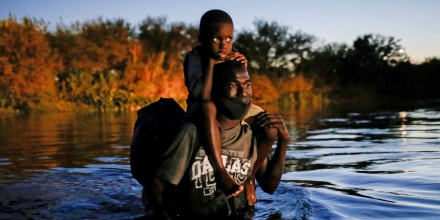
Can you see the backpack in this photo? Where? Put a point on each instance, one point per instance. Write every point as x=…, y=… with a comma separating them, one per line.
x=154, y=129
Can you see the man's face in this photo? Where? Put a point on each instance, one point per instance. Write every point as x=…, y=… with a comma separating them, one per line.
x=221, y=40
x=237, y=95
x=239, y=86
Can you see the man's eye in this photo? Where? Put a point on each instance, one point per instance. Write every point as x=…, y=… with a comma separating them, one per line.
x=215, y=39
x=229, y=39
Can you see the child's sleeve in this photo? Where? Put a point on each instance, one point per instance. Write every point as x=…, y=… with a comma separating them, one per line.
x=192, y=68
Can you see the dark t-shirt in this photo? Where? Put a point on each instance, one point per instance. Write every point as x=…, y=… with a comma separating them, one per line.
x=193, y=73
x=187, y=166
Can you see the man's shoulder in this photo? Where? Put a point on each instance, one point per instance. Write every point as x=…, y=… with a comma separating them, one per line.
x=254, y=110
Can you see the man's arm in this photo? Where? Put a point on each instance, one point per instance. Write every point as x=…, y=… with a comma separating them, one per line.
x=269, y=173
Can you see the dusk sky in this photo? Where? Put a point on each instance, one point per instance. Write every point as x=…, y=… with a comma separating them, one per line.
x=415, y=23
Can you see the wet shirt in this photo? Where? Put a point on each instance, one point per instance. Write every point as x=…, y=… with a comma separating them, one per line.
x=186, y=164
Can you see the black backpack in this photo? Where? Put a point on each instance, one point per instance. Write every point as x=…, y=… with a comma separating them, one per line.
x=154, y=130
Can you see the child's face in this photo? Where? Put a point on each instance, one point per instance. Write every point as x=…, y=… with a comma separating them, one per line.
x=221, y=40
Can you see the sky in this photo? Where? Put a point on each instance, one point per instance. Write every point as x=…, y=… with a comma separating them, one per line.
x=415, y=23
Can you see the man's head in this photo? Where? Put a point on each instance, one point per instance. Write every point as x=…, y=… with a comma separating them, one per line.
x=231, y=89
x=216, y=32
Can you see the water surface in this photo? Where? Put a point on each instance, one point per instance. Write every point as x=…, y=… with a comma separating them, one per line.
x=341, y=164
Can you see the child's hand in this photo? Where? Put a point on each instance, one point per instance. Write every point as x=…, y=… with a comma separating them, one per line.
x=238, y=57
x=230, y=56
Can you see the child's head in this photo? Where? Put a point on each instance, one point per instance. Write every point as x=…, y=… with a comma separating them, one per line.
x=216, y=32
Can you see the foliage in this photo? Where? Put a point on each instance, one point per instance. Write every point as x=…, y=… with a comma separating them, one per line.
x=325, y=65
x=263, y=89
x=27, y=65
x=94, y=45
x=368, y=65
x=156, y=36
x=111, y=65
x=371, y=56
x=272, y=49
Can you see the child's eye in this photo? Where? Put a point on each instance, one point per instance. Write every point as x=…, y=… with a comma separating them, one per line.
x=217, y=39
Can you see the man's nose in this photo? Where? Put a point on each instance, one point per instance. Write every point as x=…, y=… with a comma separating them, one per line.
x=241, y=91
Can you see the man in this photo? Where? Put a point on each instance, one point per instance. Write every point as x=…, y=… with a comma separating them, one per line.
x=185, y=186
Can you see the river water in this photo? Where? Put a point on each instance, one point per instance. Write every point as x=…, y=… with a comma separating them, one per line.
x=342, y=163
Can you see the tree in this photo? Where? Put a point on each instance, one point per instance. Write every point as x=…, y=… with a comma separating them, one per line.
x=28, y=65
x=156, y=36
x=273, y=49
x=95, y=45
x=325, y=65
x=371, y=56
x=96, y=55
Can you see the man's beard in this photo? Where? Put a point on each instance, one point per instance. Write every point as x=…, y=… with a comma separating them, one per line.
x=233, y=108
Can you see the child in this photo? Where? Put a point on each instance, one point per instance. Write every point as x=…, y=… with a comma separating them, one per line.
x=216, y=41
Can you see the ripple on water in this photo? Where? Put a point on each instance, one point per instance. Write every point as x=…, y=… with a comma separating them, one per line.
x=73, y=194
x=288, y=202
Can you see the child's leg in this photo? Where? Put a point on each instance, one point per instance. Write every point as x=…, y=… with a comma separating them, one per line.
x=212, y=142
x=249, y=188
x=264, y=147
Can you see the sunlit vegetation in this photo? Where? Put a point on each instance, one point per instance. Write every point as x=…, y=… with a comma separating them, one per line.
x=108, y=65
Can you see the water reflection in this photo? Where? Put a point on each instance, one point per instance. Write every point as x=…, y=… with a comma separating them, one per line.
x=41, y=142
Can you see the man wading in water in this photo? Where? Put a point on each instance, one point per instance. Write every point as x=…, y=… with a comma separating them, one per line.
x=185, y=183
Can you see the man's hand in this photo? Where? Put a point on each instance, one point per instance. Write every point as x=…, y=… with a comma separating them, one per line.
x=273, y=125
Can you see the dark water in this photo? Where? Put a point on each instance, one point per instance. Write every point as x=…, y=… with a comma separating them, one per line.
x=341, y=164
